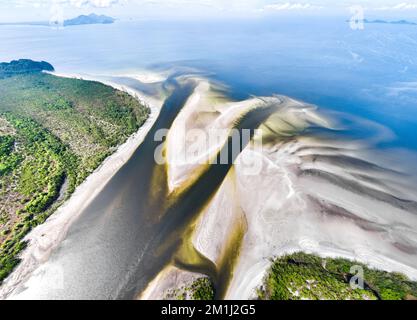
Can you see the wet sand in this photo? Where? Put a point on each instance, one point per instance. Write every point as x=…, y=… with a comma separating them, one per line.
x=315, y=193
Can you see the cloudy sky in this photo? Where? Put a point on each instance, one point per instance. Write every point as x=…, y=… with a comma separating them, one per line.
x=40, y=10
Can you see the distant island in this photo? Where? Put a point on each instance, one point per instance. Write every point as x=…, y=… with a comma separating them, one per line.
x=80, y=20
x=390, y=22
x=23, y=66
x=380, y=21
x=90, y=19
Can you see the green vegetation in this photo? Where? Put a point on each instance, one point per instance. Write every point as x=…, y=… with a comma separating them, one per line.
x=46, y=164
x=200, y=289
x=8, y=160
x=6, y=145
x=53, y=133
x=90, y=19
x=305, y=276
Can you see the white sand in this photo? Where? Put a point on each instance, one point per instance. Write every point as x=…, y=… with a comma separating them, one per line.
x=357, y=215
x=46, y=237
x=284, y=216
x=207, y=111
x=169, y=279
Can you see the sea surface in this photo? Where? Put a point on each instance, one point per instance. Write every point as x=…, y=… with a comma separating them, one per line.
x=371, y=73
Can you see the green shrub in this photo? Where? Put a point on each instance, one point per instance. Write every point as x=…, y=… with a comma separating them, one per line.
x=202, y=289
x=305, y=276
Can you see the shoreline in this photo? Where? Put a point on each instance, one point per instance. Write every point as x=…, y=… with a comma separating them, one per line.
x=46, y=237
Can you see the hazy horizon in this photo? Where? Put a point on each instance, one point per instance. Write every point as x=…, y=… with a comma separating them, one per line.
x=44, y=10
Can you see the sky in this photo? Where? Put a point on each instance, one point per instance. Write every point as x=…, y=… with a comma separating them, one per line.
x=42, y=10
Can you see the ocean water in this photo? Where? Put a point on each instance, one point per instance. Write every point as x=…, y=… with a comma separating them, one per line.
x=371, y=73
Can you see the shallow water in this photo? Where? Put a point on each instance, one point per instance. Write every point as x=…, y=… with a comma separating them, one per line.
x=369, y=73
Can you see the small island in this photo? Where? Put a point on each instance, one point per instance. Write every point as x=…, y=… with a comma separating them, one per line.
x=77, y=21
x=399, y=22
x=90, y=19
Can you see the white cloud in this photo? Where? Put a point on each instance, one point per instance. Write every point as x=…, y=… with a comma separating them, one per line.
x=73, y=3
x=400, y=6
x=402, y=88
x=93, y=3
x=289, y=6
